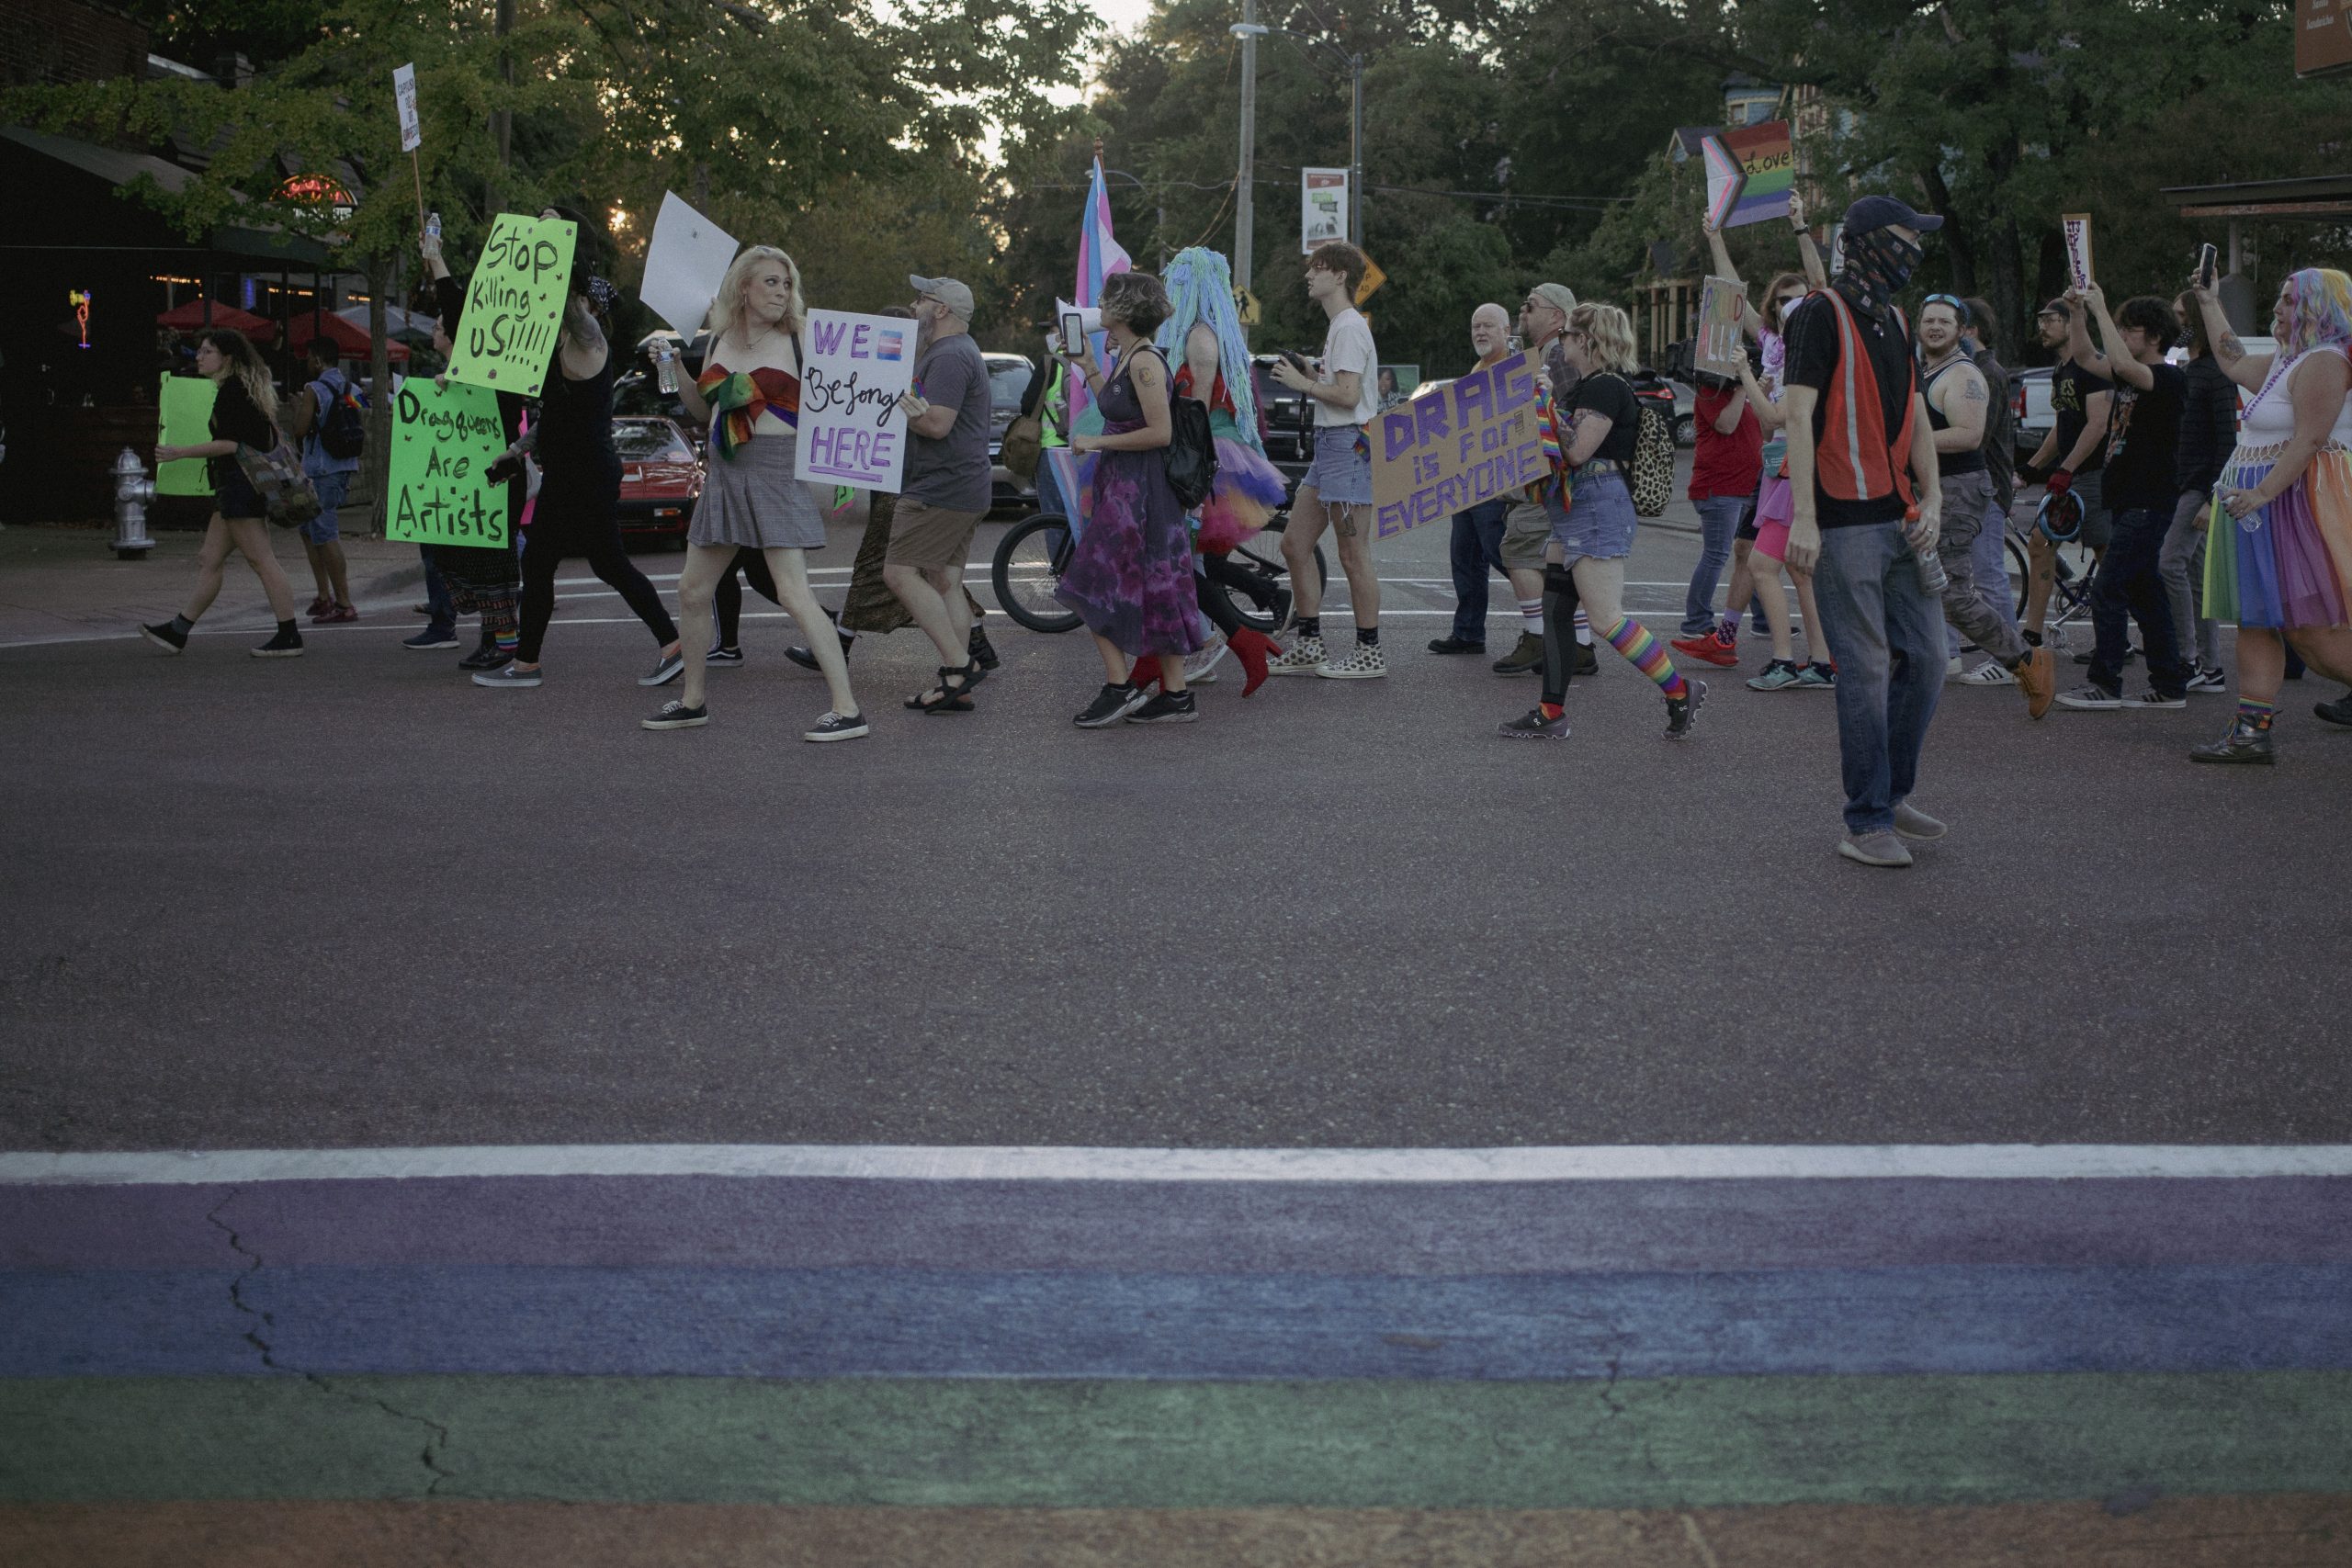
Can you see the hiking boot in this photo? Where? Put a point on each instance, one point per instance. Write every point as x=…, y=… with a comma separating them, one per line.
x=2037, y=678
x=1526, y=658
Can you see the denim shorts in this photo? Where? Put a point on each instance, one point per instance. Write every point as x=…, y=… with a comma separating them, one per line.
x=1600, y=519
x=1341, y=473
x=325, y=528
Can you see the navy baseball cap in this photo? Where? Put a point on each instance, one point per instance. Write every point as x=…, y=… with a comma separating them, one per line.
x=1882, y=212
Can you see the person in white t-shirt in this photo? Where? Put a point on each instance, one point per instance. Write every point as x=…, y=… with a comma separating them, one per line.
x=1337, y=492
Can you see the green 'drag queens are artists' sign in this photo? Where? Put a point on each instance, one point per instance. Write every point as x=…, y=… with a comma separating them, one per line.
x=443, y=441
x=514, y=305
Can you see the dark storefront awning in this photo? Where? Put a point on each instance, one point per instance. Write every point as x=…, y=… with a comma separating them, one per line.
x=275, y=247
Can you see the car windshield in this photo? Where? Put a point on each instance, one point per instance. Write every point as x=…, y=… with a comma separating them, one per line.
x=1008, y=383
x=645, y=441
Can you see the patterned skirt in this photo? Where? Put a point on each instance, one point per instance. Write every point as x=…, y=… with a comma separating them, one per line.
x=2288, y=564
x=752, y=500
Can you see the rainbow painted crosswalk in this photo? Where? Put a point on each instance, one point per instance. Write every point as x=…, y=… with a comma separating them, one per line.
x=1170, y=1335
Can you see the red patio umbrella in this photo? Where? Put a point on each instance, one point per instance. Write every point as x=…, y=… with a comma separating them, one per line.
x=349, y=341
x=189, y=318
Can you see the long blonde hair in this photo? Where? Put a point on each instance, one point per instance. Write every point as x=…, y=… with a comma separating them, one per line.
x=727, y=311
x=246, y=365
x=1608, y=331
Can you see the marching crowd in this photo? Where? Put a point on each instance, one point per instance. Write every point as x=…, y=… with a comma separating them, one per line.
x=1862, y=451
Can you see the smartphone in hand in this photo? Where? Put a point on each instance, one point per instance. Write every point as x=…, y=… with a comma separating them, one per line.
x=2205, y=259
x=1073, y=333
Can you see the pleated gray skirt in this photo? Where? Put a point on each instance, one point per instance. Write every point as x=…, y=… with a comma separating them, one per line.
x=752, y=500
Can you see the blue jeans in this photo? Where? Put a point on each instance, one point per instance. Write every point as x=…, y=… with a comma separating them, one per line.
x=1718, y=521
x=1477, y=549
x=1886, y=634
x=442, y=609
x=2130, y=587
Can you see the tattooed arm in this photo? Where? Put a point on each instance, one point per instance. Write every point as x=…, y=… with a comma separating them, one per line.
x=2229, y=350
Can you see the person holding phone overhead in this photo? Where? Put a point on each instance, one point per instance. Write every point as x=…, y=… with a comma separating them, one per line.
x=749, y=392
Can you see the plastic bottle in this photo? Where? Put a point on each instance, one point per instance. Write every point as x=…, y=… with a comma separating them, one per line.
x=1932, y=580
x=666, y=367
x=433, y=224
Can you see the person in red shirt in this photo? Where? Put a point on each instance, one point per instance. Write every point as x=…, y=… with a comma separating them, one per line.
x=1724, y=473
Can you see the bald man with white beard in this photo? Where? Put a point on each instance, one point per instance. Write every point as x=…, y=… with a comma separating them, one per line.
x=1478, y=532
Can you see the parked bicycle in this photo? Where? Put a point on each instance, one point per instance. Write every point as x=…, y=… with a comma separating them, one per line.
x=1253, y=580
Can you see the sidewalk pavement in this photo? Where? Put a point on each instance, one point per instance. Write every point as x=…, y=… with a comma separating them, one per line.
x=60, y=582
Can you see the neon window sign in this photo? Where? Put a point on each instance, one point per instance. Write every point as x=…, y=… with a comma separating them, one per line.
x=79, y=299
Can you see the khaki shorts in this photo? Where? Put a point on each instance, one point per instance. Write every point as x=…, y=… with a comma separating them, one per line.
x=925, y=535
x=1527, y=528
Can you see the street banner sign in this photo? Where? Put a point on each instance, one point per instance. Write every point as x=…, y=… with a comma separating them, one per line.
x=850, y=430
x=1717, y=352
x=185, y=407
x=404, y=96
x=1767, y=165
x=514, y=305
x=2322, y=37
x=1448, y=449
x=443, y=440
x=1322, y=208
x=2076, y=228
x=685, y=266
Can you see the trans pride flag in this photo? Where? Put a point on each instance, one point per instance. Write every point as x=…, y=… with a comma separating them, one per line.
x=1099, y=255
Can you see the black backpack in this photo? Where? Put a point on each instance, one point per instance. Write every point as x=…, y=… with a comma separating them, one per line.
x=1191, y=452
x=343, y=433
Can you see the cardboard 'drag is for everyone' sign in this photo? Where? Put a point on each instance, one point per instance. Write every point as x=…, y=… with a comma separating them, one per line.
x=850, y=430
x=1450, y=449
x=443, y=440
x=514, y=305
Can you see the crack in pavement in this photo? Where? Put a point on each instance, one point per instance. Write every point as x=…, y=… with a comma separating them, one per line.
x=437, y=1439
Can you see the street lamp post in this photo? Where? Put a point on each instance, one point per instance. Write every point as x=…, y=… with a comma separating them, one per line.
x=1245, y=219
x=1249, y=30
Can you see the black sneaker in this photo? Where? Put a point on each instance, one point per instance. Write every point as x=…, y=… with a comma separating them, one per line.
x=723, y=658
x=668, y=669
x=1532, y=726
x=1682, y=712
x=165, y=635
x=287, y=644
x=1455, y=645
x=428, y=639
x=807, y=660
x=1279, y=607
x=2337, y=712
x=834, y=726
x=1168, y=708
x=1112, y=705
x=979, y=647
x=486, y=656
x=1587, y=660
x=675, y=714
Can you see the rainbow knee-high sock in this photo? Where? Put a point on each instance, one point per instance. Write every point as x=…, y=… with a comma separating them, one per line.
x=1645, y=653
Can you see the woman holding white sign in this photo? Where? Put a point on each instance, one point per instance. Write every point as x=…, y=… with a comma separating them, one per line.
x=750, y=394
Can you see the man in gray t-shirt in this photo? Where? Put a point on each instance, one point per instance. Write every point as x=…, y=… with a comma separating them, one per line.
x=946, y=489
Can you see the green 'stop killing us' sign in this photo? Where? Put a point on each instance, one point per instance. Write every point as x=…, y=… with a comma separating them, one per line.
x=514, y=305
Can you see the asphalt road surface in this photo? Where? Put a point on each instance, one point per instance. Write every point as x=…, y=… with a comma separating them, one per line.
x=353, y=900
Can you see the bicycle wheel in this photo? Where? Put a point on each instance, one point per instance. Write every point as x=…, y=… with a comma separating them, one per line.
x=2020, y=567
x=1028, y=568
x=1269, y=574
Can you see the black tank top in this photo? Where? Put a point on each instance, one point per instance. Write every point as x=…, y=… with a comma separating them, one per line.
x=576, y=419
x=1950, y=462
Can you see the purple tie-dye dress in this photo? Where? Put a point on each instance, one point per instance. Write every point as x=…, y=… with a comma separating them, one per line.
x=1130, y=574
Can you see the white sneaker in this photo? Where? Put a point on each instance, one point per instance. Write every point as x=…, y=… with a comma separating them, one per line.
x=1988, y=673
x=1304, y=657
x=2209, y=679
x=1363, y=662
x=2091, y=697
x=1952, y=668
x=1200, y=668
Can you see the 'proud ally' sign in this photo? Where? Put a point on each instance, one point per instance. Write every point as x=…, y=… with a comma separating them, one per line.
x=1448, y=449
x=850, y=430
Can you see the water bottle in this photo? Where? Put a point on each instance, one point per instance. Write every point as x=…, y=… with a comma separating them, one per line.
x=433, y=224
x=665, y=368
x=1932, y=580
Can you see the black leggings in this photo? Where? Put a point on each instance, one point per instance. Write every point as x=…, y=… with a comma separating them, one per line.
x=549, y=542
x=728, y=597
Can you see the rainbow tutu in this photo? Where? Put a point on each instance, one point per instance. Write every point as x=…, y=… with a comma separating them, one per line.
x=1247, y=492
x=2288, y=564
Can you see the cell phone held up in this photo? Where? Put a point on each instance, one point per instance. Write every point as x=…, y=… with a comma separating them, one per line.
x=1073, y=333
x=2205, y=261
x=1299, y=363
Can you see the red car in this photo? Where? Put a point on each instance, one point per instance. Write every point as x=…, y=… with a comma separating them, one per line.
x=660, y=481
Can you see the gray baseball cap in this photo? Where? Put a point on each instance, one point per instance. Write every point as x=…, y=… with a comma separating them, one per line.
x=947, y=291
x=1559, y=296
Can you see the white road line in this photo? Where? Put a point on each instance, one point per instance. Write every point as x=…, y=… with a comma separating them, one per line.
x=1965, y=1162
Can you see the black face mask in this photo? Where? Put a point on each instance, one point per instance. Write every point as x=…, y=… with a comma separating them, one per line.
x=1879, y=264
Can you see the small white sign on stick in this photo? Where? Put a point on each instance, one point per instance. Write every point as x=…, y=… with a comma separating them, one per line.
x=683, y=266
x=2076, y=228
x=404, y=94
x=856, y=368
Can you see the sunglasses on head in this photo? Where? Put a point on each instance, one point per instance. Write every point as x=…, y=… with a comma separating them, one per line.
x=1959, y=306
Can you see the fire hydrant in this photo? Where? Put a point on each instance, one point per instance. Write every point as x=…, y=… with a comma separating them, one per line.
x=132, y=490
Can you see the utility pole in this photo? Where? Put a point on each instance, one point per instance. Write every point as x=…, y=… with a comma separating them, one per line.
x=1355, y=157
x=501, y=120
x=1245, y=193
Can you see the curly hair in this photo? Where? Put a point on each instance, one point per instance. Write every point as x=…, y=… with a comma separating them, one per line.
x=1136, y=299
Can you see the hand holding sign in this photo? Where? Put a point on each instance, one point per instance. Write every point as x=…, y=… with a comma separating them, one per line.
x=2076, y=229
x=184, y=405
x=852, y=393
x=514, y=305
